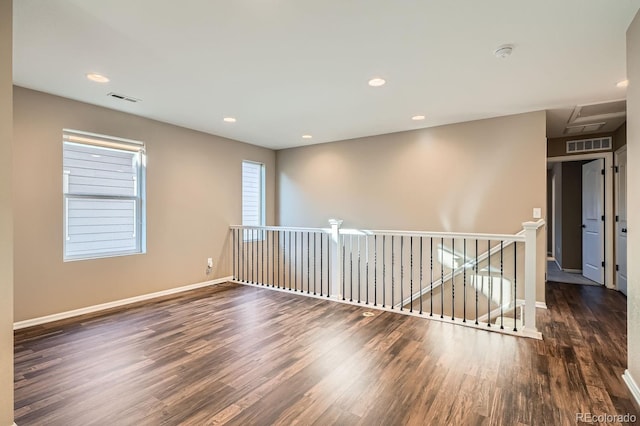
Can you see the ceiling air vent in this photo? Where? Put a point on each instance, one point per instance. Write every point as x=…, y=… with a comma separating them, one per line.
x=123, y=97
x=584, y=145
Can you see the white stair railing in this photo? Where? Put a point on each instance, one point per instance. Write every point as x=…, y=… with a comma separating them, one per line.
x=470, y=264
x=467, y=278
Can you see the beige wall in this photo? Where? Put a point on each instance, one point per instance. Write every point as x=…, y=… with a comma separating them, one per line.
x=633, y=209
x=481, y=176
x=193, y=195
x=6, y=242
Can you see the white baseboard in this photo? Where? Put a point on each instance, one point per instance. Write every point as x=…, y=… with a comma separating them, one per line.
x=572, y=271
x=103, y=306
x=533, y=334
x=632, y=385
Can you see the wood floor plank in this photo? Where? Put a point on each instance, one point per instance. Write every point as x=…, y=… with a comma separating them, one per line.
x=238, y=355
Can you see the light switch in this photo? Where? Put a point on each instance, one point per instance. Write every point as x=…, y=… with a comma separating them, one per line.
x=537, y=212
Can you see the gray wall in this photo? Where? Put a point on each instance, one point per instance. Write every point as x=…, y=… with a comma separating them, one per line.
x=193, y=195
x=557, y=220
x=572, y=215
x=6, y=242
x=557, y=147
x=620, y=137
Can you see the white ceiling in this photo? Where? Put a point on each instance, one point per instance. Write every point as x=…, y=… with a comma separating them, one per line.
x=582, y=120
x=286, y=68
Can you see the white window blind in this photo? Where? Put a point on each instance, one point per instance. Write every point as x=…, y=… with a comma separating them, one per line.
x=103, y=188
x=253, y=208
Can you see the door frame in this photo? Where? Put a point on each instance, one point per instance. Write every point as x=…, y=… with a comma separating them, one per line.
x=609, y=216
x=616, y=190
x=553, y=215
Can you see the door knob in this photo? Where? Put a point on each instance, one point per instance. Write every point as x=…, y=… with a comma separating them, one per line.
x=624, y=230
x=584, y=226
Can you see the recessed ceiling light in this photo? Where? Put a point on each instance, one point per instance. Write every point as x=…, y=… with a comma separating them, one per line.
x=377, y=82
x=623, y=83
x=504, y=51
x=417, y=117
x=98, y=78
x=229, y=120
x=306, y=136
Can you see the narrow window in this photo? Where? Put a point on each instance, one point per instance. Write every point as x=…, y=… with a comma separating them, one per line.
x=253, y=200
x=103, y=189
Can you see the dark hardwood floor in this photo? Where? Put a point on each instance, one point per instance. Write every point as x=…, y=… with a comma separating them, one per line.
x=233, y=354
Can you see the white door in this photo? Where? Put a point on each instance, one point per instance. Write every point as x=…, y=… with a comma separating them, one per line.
x=621, y=223
x=592, y=223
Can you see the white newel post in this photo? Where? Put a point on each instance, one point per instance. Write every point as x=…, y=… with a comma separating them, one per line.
x=335, y=258
x=530, y=232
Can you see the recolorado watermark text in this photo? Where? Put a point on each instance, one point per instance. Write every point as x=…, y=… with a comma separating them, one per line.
x=605, y=418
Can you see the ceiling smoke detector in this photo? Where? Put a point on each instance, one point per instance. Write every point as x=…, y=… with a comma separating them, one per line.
x=503, y=52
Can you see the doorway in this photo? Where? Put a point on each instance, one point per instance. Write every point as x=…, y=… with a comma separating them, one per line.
x=593, y=220
x=581, y=210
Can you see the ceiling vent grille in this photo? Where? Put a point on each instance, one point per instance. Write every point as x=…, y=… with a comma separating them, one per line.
x=123, y=97
x=585, y=145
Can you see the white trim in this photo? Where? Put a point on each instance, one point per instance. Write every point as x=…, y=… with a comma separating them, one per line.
x=608, y=207
x=282, y=228
x=572, y=271
x=541, y=305
x=553, y=216
x=343, y=231
x=107, y=137
x=616, y=207
x=632, y=385
x=532, y=334
x=580, y=157
x=103, y=306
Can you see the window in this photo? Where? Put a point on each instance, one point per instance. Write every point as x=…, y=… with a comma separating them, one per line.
x=253, y=209
x=103, y=188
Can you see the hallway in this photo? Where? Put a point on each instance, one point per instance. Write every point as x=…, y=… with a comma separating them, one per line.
x=555, y=274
